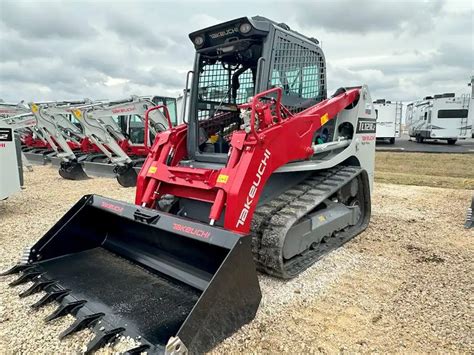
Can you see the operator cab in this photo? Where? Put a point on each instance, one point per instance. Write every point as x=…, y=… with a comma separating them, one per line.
x=236, y=59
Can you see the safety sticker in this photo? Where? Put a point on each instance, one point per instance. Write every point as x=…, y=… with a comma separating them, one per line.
x=222, y=178
x=152, y=170
x=324, y=119
x=77, y=113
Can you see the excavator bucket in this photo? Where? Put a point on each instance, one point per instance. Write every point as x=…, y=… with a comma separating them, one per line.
x=170, y=283
x=99, y=169
x=72, y=170
x=126, y=175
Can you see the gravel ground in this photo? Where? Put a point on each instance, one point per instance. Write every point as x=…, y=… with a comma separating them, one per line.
x=404, y=285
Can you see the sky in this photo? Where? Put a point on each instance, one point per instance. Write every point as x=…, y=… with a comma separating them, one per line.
x=56, y=50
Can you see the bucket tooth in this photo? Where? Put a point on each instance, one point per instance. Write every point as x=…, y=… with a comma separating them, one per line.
x=100, y=340
x=50, y=297
x=82, y=323
x=15, y=269
x=138, y=350
x=36, y=287
x=68, y=308
x=26, y=276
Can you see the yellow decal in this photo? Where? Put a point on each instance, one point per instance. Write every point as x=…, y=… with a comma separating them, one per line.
x=222, y=178
x=214, y=138
x=34, y=108
x=152, y=170
x=322, y=218
x=77, y=113
x=324, y=119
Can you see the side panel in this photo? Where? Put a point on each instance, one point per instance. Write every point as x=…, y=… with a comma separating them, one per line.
x=9, y=177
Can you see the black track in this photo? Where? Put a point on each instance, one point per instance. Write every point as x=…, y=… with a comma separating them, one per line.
x=273, y=220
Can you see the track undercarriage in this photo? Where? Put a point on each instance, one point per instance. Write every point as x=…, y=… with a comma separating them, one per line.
x=297, y=228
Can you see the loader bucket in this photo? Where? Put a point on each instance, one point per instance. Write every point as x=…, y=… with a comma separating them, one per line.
x=174, y=284
x=72, y=170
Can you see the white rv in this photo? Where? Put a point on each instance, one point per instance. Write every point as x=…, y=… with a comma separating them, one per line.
x=389, y=119
x=442, y=117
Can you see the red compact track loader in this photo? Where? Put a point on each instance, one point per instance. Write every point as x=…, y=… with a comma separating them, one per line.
x=266, y=171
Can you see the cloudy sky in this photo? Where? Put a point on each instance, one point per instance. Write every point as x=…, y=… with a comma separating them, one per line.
x=53, y=50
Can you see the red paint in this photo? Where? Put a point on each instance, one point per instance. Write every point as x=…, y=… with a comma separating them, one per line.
x=111, y=207
x=368, y=138
x=192, y=231
x=123, y=109
x=279, y=139
x=147, y=113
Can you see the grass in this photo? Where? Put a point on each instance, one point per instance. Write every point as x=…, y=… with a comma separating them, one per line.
x=424, y=169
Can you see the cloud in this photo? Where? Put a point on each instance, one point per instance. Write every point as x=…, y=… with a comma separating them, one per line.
x=367, y=15
x=63, y=49
x=42, y=21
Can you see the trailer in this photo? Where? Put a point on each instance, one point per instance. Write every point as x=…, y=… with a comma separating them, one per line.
x=439, y=117
x=389, y=119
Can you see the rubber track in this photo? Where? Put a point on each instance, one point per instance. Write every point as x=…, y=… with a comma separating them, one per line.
x=272, y=221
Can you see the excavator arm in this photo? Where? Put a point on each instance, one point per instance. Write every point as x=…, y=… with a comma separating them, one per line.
x=104, y=132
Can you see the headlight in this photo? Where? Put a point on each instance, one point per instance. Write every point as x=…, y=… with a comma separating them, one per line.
x=245, y=28
x=198, y=41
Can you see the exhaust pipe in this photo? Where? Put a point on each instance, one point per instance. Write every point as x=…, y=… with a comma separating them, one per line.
x=174, y=284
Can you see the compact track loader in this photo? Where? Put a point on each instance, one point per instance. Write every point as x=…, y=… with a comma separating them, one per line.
x=267, y=171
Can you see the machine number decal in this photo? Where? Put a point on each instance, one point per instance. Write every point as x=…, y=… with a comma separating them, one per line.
x=222, y=178
x=6, y=135
x=366, y=125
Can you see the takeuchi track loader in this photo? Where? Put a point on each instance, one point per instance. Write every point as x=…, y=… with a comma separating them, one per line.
x=267, y=171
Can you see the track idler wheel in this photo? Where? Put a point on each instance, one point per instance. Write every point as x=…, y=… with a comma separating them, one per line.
x=72, y=170
x=126, y=175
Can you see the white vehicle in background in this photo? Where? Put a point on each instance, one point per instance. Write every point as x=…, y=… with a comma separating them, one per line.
x=442, y=117
x=389, y=119
x=9, y=167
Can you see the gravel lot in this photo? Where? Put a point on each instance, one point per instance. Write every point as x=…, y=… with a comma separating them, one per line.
x=404, y=285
